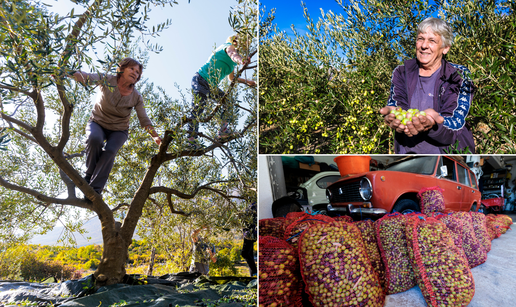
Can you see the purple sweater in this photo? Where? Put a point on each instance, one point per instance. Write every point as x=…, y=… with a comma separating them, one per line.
x=453, y=95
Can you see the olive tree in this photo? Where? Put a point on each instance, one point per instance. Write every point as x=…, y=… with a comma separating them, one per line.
x=45, y=115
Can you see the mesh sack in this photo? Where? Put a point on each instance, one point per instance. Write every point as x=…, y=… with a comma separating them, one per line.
x=441, y=270
x=390, y=235
x=493, y=227
x=506, y=220
x=344, y=218
x=454, y=225
x=473, y=249
x=274, y=227
x=498, y=220
x=479, y=225
x=335, y=267
x=296, y=228
x=367, y=230
x=431, y=200
x=279, y=277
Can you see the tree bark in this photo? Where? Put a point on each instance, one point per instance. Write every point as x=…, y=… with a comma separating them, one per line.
x=111, y=269
x=151, y=261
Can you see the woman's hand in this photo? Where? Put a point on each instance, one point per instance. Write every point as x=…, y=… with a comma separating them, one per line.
x=416, y=125
x=391, y=120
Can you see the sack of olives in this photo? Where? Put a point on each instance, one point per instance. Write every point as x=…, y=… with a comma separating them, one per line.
x=493, y=227
x=296, y=228
x=453, y=224
x=390, y=234
x=274, y=227
x=344, y=218
x=472, y=247
x=367, y=230
x=336, y=268
x=479, y=225
x=506, y=220
x=279, y=277
x=441, y=271
x=431, y=200
x=502, y=221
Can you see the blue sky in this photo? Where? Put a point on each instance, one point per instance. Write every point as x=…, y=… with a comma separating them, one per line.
x=290, y=12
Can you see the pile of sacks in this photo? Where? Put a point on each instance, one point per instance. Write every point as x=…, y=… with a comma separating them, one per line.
x=339, y=262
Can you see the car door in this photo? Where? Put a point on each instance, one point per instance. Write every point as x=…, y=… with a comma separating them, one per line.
x=452, y=189
x=469, y=194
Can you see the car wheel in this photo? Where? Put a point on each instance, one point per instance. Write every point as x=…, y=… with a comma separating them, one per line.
x=473, y=208
x=483, y=209
x=405, y=206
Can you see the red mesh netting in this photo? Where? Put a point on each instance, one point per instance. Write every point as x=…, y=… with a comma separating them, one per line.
x=279, y=277
x=493, y=226
x=500, y=222
x=390, y=234
x=474, y=251
x=506, y=220
x=344, y=218
x=479, y=225
x=454, y=225
x=272, y=227
x=367, y=230
x=442, y=272
x=431, y=200
x=335, y=267
x=296, y=228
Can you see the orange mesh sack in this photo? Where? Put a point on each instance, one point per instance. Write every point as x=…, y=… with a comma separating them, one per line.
x=335, y=267
x=390, y=235
x=367, y=230
x=442, y=272
x=474, y=251
x=431, y=200
x=499, y=223
x=506, y=220
x=344, y=218
x=296, y=228
x=479, y=225
x=274, y=227
x=493, y=227
x=279, y=277
x=454, y=225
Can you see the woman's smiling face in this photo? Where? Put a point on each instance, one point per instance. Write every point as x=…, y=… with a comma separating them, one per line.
x=429, y=49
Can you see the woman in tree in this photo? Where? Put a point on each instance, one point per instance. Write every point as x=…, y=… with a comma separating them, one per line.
x=442, y=89
x=107, y=128
x=221, y=63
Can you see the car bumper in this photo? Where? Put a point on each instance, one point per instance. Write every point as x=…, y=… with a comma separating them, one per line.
x=359, y=212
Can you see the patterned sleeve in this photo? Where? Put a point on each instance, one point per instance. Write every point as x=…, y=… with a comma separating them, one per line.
x=398, y=93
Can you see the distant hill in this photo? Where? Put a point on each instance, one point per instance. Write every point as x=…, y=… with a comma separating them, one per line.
x=92, y=228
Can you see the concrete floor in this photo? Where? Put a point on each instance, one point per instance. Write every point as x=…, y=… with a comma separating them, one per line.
x=495, y=280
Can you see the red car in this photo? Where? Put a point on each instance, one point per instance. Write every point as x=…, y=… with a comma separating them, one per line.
x=375, y=193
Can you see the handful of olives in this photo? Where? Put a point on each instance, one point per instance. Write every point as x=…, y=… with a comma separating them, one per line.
x=406, y=116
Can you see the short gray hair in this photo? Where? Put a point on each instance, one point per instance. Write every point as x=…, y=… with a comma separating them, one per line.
x=438, y=26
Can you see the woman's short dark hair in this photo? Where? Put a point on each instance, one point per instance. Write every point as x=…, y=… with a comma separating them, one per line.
x=128, y=62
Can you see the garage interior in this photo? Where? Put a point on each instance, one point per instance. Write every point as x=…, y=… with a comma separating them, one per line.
x=496, y=178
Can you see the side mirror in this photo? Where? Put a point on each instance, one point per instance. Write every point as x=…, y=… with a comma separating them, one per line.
x=444, y=171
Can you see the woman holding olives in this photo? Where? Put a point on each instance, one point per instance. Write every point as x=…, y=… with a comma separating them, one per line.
x=430, y=83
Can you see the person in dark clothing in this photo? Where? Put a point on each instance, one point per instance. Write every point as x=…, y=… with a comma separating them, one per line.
x=430, y=83
x=250, y=234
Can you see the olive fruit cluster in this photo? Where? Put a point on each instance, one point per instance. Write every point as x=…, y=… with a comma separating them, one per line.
x=335, y=267
x=442, y=273
x=367, y=230
x=474, y=251
x=406, y=116
x=431, y=200
x=506, y=220
x=274, y=227
x=479, y=226
x=390, y=233
x=454, y=225
x=493, y=226
x=279, y=277
x=295, y=229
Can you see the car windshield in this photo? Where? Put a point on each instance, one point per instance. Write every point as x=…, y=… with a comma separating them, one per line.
x=417, y=165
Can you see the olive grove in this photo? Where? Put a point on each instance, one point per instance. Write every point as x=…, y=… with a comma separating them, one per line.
x=44, y=114
x=321, y=92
